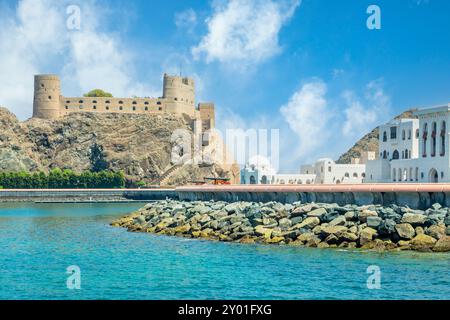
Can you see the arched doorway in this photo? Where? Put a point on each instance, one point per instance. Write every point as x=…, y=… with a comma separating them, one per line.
x=433, y=176
x=264, y=180
x=252, y=180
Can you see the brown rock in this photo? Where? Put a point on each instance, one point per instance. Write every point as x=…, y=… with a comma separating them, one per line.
x=443, y=244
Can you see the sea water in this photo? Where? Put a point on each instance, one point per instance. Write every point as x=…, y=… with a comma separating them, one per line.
x=38, y=242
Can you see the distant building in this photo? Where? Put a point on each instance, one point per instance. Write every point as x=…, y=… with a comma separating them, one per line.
x=178, y=98
x=413, y=150
x=323, y=171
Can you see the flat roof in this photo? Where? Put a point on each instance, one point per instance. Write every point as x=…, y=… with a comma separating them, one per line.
x=440, y=108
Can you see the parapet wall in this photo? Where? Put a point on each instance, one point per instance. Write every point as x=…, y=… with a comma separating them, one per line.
x=416, y=196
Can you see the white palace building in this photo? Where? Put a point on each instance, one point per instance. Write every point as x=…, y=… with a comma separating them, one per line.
x=412, y=150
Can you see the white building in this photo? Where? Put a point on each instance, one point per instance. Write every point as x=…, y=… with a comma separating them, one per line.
x=324, y=171
x=413, y=150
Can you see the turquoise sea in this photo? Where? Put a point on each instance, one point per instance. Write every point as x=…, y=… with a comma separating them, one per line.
x=39, y=241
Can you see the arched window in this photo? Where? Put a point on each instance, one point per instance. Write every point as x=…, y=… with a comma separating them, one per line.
x=95, y=101
x=410, y=174
x=407, y=155
x=134, y=102
x=433, y=139
x=443, y=135
x=134, y=108
x=424, y=140
x=264, y=180
x=347, y=175
x=146, y=102
x=120, y=108
x=403, y=154
x=81, y=101
x=363, y=175
x=409, y=134
x=395, y=155
x=159, y=102
x=384, y=136
x=355, y=175
x=252, y=180
x=94, y=107
x=394, y=174
x=107, y=108
x=417, y=174
x=403, y=135
x=146, y=108
x=384, y=154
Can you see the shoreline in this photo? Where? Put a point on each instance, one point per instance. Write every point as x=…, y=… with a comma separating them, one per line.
x=317, y=225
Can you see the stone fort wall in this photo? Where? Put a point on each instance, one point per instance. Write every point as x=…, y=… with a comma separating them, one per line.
x=178, y=98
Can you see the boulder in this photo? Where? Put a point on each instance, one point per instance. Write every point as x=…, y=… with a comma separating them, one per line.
x=339, y=221
x=350, y=216
x=335, y=230
x=296, y=220
x=386, y=227
x=262, y=231
x=442, y=245
x=309, y=222
x=330, y=216
x=419, y=230
x=284, y=223
x=317, y=213
x=405, y=231
x=422, y=241
x=362, y=216
x=348, y=237
x=414, y=219
x=373, y=222
x=366, y=235
x=447, y=220
x=305, y=237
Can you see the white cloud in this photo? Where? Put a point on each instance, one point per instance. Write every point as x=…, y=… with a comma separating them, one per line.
x=244, y=32
x=362, y=115
x=307, y=114
x=35, y=39
x=186, y=19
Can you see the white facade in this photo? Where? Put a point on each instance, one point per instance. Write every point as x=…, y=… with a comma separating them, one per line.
x=324, y=171
x=414, y=150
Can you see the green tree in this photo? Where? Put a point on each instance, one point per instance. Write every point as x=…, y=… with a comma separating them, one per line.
x=98, y=93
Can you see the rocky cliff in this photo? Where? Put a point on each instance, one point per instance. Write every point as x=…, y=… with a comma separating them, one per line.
x=139, y=145
x=369, y=142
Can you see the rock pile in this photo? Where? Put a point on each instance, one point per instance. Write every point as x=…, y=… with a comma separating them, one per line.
x=307, y=224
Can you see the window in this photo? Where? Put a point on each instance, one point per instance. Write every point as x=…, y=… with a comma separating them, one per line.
x=403, y=154
x=403, y=135
x=67, y=107
x=107, y=101
x=42, y=85
x=347, y=175
x=134, y=108
x=395, y=155
x=134, y=102
x=424, y=140
x=394, y=175
x=364, y=175
x=384, y=136
x=442, y=174
x=146, y=108
x=384, y=154
x=158, y=103
x=433, y=139
x=417, y=133
x=393, y=133
x=409, y=134
x=107, y=107
x=443, y=134
x=49, y=97
x=417, y=174
x=329, y=169
x=146, y=102
x=68, y=101
x=120, y=102
x=94, y=107
x=120, y=108
x=160, y=109
x=421, y=175
x=355, y=175
x=81, y=101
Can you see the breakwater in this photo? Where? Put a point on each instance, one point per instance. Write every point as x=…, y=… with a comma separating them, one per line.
x=417, y=196
x=85, y=195
x=321, y=225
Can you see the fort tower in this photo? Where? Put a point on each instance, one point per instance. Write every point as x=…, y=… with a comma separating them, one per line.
x=47, y=92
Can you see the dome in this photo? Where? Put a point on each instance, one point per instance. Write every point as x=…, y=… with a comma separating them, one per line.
x=260, y=163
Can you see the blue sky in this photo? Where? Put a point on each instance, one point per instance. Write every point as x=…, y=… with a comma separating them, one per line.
x=310, y=68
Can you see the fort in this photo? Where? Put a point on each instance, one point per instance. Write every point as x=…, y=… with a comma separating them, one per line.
x=178, y=98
